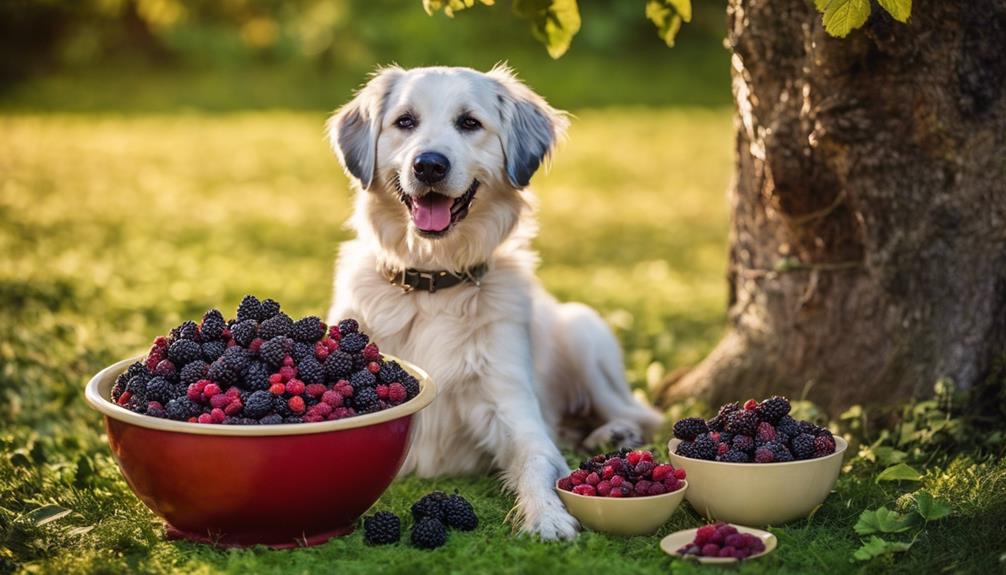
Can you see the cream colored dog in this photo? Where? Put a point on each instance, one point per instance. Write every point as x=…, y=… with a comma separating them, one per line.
x=441, y=273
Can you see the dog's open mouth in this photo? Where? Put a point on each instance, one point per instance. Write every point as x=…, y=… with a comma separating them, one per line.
x=433, y=214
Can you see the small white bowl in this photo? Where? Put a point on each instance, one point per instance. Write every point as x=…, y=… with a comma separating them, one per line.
x=679, y=539
x=623, y=515
x=759, y=493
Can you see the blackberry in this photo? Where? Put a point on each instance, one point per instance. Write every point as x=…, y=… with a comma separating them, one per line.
x=803, y=446
x=824, y=445
x=348, y=326
x=269, y=309
x=275, y=326
x=338, y=366
x=310, y=371
x=193, y=372
x=788, y=426
x=221, y=373
x=743, y=443
x=361, y=379
x=779, y=452
x=742, y=422
x=274, y=351
x=259, y=404
x=244, y=332
x=808, y=428
x=249, y=308
x=212, y=350
x=459, y=514
x=430, y=505
x=429, y=533
x=353, y=342
x=271, y=419
x=301, y=350
x=213, y=324
x=183, y=351
x=293, y=419
x=704, y=447
x=280, y=406
x=187, y=330
x=686, y=449
x=308, y=330
x=158, y=389
x=734, y=456
x=237, y=359
x=382, y=528
x=137, y=384
x=772, y=409
x=690, y=428
x=256, y=376
x=181, y=408
x=411, y=385
x=365, y=400
x=137, y=368
x=387, y=374
x=240, y=421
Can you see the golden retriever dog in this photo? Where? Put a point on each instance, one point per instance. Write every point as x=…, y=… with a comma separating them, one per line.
x=441, y=273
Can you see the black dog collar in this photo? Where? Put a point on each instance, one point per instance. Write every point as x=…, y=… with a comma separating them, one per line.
x=411, y=279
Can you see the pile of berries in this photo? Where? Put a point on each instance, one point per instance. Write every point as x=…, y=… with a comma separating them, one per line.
x=431, y=515
x=262, y=367
x=722, y=540
x=623, y=474
x=753, y=433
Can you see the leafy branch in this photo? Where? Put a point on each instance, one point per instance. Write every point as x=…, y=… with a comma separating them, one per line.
x=887, y=522
x=844, y=16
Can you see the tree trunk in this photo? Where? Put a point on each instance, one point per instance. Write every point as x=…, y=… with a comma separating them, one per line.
x=868, y=242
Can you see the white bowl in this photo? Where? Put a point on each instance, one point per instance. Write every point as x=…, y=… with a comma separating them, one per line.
x=623, y=515
x=759, y=493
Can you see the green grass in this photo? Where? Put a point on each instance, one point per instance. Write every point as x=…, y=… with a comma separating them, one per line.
x=115, y=228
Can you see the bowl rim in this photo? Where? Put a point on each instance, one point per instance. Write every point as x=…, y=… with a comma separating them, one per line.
x=94, y=398
x=604, y=498
x=840, y=446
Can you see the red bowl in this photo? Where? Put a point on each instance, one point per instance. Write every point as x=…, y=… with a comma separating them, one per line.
x=276, y=485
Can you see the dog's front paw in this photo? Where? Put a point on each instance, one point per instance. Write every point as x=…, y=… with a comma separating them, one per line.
x=550, y=521
x=615, y=435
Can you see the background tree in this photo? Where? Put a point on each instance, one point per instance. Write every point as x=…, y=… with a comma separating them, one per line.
x=868, y=241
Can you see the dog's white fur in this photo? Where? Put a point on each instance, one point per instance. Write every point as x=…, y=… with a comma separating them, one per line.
x=509, y=361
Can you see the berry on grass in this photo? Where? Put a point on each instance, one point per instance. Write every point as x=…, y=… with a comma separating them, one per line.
x=382, y=528
x=430, y=505
x=428, y=533
x=459, y=513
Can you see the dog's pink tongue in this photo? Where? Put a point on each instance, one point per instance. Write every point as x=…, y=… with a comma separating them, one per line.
x=432, y=212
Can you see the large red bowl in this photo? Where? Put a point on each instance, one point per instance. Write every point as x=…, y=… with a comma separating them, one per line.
x=276, y=485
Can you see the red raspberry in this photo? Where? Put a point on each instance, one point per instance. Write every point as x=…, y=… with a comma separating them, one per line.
x=295, y=387
x=710, y=550
x=566, y=485
x=161, y=341
x=592, y=479
x=671, y=484
x=735, y=540
x=226, y=334
x=332, y=398
x=288, y=361
x=220, y=400
x=680, y=474
x=344, y=388
x=722, y=448
x=217, y=415
x=277, y=389
x=704, y=534
x=316, y=389
x=342, y=412
x=296, y=404
x=656, y=489
x=233, y=407
x=313, y=418
x=275, y=378
x=153, y=359
x=661, y=472
x=617, y=481
x=204, y=418
x=195, y=390
x=715, y=436
x=211, y=389
x=321, y=351
x=644, y=468
x=603, y=488
x=727, y=551
x=397, y=393
x=124, y=398
x=255, y=344
x=584, y=489
x=750, y=404
x=608, y=472
x=615, y=492
x=373, y=367
x=382, y=391
x=192, y=420
x=333, y=332
x=322, y=409
x=643, y=487
x=634, y=457
x=332, y=344
x=233, y=392
x=647, y=456
x=231, y=342
x=579, y=476
x=372, y=353
x=287, y=372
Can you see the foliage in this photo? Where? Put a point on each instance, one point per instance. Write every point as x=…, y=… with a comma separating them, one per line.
x=884, y=521
x=843, y=16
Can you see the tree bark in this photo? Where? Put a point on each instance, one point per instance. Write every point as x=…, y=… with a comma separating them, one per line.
x=868, y=241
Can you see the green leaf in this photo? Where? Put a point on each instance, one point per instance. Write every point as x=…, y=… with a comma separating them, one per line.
x=899, y=472
x=930, y=508
x=553, y=22
x=875, y=547
x=449, y=7
x=889, y=456
x=843, y=16
x=900, y=10
x=47, y=514
x=667, y=15
x=882, y=520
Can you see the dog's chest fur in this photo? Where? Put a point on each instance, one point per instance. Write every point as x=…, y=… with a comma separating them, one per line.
x=447, y=333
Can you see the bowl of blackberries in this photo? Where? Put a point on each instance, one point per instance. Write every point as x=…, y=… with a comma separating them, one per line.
x=260, y=429
x=754, y=464
x=623, y=492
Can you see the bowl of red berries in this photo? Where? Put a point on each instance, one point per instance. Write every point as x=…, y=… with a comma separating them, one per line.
x=260, y=429
x=719, y=543
x=623, y=492
x=787, y=467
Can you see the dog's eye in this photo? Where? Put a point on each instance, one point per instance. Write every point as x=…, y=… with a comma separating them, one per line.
x=468, y=124
x=405, y=122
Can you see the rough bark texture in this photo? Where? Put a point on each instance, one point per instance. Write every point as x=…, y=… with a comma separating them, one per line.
x=868, y=243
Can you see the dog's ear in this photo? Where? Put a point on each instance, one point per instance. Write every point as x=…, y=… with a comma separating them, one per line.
x=531, y=128
x=353, y=129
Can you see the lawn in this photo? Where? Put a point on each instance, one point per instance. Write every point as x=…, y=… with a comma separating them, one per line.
x=115, y=228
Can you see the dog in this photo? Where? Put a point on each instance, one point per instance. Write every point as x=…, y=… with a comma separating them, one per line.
x=441, y=273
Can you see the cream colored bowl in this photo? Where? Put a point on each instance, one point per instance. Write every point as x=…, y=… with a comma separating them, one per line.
x=623, y=515
x=758, y=494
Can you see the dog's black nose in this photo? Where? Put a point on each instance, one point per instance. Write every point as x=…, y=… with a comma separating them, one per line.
x=430, y=167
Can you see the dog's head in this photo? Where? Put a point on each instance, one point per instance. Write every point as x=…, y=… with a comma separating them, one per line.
x=440, y=154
